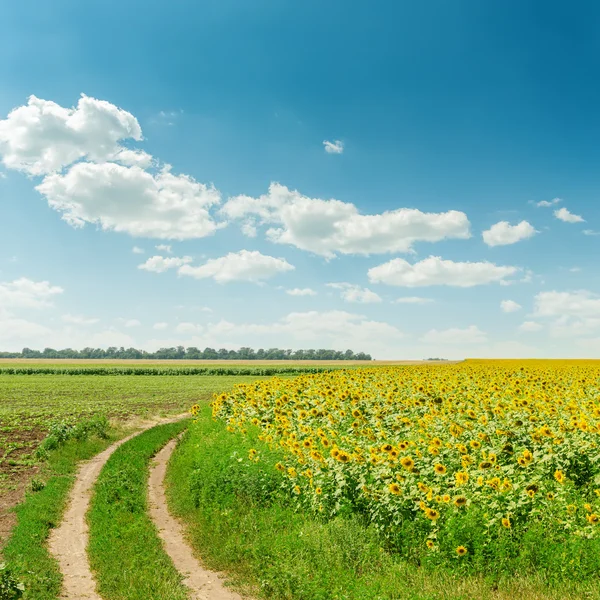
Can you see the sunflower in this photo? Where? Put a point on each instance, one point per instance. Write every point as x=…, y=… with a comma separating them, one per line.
x=461, y=477
x=559, y=476
x=593, y=519
x=395, y=489
x=461, y=551
x=440, y=469
x=432, y=514
x=318, y=491
x=407, y=462
x=506, y=523
x=460, y=501
x=430, y=544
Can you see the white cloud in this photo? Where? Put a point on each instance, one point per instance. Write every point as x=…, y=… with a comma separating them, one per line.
x=503, y=233
x=42, y=137
x=355, y=293
x=244, y=265
x=160, y=264
x=575, y=270
x=413, y=300
x=301, y=292
x=137, y=250
x=568, y=217
x=336, y=147
x=25, y=293
x=436, y=271
x=188, y=328
x=129, y=322
x=15, y=330
x=530, y=327
x=160, y=326
x=131, y=200
x=509, y=306
x=134, y=158
x=164, y=248
x=79, y=320
x=547, y=203
x=580, y=304
x=327, y=227
x=590, y=232
x=470, y=335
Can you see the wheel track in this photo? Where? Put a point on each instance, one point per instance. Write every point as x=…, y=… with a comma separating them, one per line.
x=202, y=583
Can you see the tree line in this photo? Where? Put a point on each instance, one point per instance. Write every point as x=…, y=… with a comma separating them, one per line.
x=191, y=353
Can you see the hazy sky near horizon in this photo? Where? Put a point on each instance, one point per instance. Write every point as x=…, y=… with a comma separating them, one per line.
x=404, y=179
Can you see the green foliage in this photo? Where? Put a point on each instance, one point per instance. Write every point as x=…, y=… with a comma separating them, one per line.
x=241, y=520
x=10, y=588
x=125, y=551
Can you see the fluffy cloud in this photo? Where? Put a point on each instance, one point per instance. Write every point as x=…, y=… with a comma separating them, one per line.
x=503, y=233
x=160, y=264
x=547, y=203
x=355, y=293
x=42, y=136
x=571, y=314
x=530, y=327
x=580, y=304
x=244, y=265
x=131, y=200
x=335, y=147
x=509, y=306
x=328, y=227
x=137, y=250
x=129, y=322
x=188, y=328
x=413, y=300
x=470, y=335
x=160, y=326
x=14, y=330
x=590, y=232
x=568, y=217
x=436, y=271
x=164, y=248
x=301, y=292
x=25, y=293
x=79, y=320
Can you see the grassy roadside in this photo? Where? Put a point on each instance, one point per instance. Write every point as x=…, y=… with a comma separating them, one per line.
x=26, y=551
x=125, y=551
x=239, y=522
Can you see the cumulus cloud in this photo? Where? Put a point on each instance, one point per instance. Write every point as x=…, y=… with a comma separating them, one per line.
x=470, y=335
x=137, y=250
x=530, y=327
x=160, y=264
x=244, y=265
x=509, y=306
x=329, y=227
x=25, y=293
x=164, y=248
x=188, y=328
x=563, y=214
x=436, y=271
x=79, y=320
x=42, y=136
x=129, y=322
x=355, y=293
x=336, y=147
x=571, y=314
x=301, y=292
x=546, y=203
x=503, y=233
x=413, y=300
x=131, y=200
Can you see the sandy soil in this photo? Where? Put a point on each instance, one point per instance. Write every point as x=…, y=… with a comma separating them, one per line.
x=69, y=541
x=203, y=584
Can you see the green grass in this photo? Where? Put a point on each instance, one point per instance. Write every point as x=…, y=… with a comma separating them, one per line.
x=240, y=521
x=26, y=550
x=125, y=550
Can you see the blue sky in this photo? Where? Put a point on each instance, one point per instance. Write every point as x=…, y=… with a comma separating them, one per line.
x=447, y=120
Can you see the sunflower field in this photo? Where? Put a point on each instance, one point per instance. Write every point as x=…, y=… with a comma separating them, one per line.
x=472, y=462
